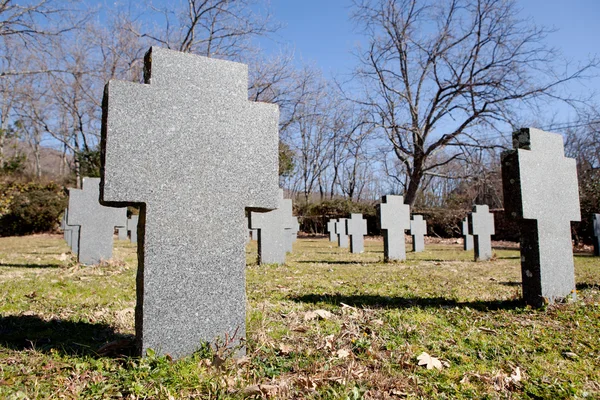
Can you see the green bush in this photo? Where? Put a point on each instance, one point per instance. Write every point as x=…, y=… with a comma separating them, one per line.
x=27, y=208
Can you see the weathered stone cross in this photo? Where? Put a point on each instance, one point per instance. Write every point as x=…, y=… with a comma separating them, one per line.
x=356, y=227
x=395, y=219
x=192, y=152
x=273, y=237
x=342, y=233
x=418, y=230
x=331, y=230
x=466, y=232
x=481, y=224
x=541, y=193
x=96, y=222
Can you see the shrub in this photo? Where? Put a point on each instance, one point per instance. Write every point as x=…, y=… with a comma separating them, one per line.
x=27, y=208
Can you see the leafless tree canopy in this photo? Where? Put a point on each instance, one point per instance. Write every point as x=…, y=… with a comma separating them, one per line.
x=433, y=71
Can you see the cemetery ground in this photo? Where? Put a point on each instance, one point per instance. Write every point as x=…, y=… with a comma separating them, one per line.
x=327, y=324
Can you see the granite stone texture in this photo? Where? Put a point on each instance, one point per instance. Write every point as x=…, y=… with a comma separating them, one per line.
x=395, y=219
x=293, y=234
x=481, y=223
x=418, y=230
x=356, y=227
x=467, y=236
x=331, y=230
x=132, y=228
x=342, y=234
x=541, y=194
x=96, y=222
x=192, y=152
x=273, y=239
x=596, y=226
x=254, y=234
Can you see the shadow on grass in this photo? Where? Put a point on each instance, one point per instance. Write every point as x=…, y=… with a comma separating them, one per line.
x=335, y=262
x=11, y=265
x=509, y=258
x=578, y=286
x=23, y=332
x=376, y=301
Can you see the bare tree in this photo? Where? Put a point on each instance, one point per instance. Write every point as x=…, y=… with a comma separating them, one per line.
x=211, y=28
x=433, y=71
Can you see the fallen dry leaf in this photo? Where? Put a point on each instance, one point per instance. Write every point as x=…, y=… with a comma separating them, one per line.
x=429, y=361
x=343, y=353
x=323, y=314
x=285, y=348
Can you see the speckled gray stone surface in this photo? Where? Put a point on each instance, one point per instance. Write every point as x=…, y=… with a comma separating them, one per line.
x=481, y=223
x=132, y=227
x=331, y=230
x=192, y=152
x=418, y=230
x=254, y=234
x=96, y=222
x=541, y=194
x=273, y=238
x=395, y=219
x=596, y=227
x=466, y=233
x=342, y=234
x=356, y=227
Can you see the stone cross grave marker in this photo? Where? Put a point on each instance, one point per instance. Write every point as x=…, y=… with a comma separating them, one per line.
x=395, y=219
x=418, y=230
x=132, y=227
x=70, y=233
x=192, y=152
x=481, y=223
x=273, y=237
x=96, y=222
x=541, y=193
x=356, y=227
x=122, y=232
x=342, y=233
x=292, y=234
x=596, y=226
x=331, y=230
x=467, y=236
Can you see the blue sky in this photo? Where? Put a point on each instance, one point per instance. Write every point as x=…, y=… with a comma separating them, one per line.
x=320, y=31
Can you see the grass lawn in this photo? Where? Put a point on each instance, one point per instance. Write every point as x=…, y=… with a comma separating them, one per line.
x=327, y=325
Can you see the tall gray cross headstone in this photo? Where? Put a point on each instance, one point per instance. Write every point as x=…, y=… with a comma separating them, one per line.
x=356, y=227
x=192, y=152
x=418, y=230
x=272, y=236
x=342, y=234
x=596, y=227
x=132, y=227
x=467, y=236
x=481, y=223
x=331, y=230
x=541, y=193
x=70, y=232
x=96, y=222
x=395, y=219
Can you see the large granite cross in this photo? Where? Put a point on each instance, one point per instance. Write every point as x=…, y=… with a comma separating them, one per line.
x=356, y=227
x=541, y=193
x=96, y=222
x=467, y=236
x=481, y=224
x=273, y=234
x=192, y=152
x=596, y=228
x=418, y=230
x=395, y=219
x=331, y=230
x=342, y=233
